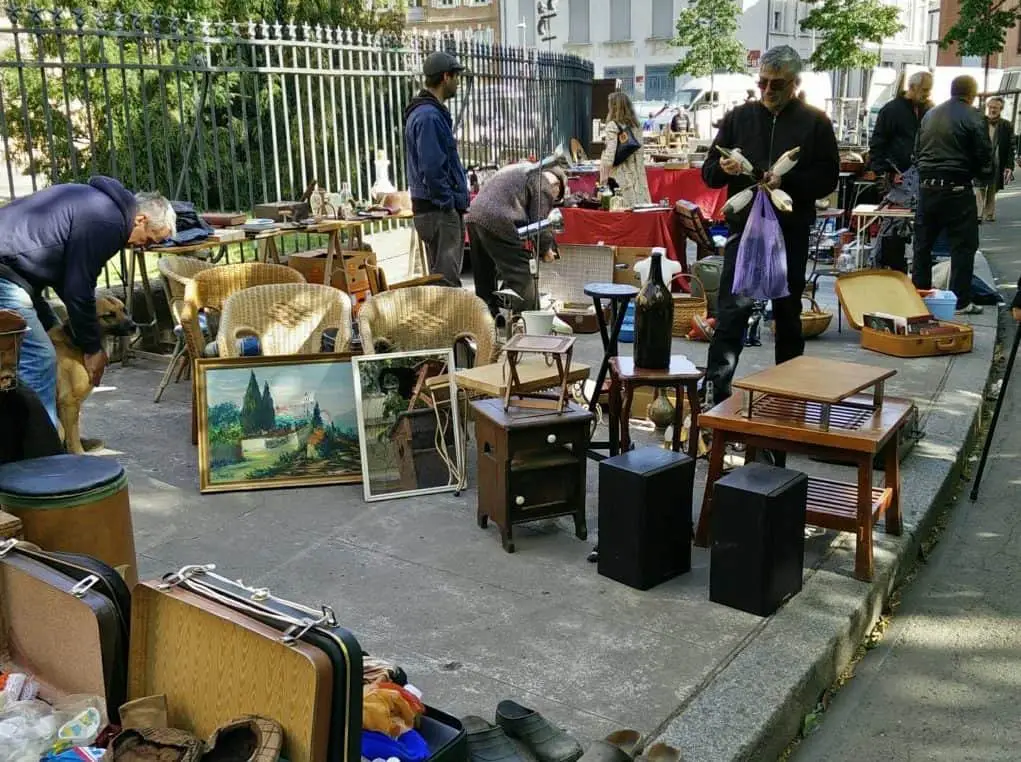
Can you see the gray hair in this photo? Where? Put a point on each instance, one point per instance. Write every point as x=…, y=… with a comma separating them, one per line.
x=994, y=99
x=158, y=210
x=917, y=78
x=782, y=58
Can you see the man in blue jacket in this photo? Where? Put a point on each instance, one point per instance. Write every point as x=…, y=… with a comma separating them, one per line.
x=60, y=238
x=436, y=178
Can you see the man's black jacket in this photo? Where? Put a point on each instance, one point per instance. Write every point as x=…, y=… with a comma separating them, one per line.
x=953, y=144
x=763, y=138
x=1003, y=148
x=893, y=138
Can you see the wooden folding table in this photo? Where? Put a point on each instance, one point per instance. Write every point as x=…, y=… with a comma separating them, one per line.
x=815, y=407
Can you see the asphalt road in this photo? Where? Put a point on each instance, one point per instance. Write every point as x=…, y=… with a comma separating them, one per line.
x=945, y=682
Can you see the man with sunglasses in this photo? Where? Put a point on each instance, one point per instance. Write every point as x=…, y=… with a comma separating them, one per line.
x=764, y=130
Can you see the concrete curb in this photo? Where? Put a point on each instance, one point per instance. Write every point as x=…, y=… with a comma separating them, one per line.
x=753, y=708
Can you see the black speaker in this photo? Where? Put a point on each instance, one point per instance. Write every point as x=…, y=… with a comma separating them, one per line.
x=645, y=516
x=758, y=538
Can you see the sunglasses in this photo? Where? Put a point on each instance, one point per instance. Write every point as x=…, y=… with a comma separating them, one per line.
x=773, y=84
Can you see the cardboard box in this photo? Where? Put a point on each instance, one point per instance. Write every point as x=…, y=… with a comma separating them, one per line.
x=312, y=264
x=624, y=259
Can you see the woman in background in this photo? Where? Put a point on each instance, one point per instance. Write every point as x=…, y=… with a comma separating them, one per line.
x=629, y=174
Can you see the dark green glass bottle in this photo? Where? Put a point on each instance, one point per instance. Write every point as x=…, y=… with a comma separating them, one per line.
x=654, y=319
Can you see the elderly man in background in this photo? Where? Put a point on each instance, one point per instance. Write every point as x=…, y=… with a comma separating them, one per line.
x=1001, y=135
x=61, y=238
x=436, y=178
x=515, y=196
x=892, y=146
x=764, y=130
x=953, y=153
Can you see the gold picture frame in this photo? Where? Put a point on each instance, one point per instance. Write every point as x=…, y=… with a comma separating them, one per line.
x=278, y=421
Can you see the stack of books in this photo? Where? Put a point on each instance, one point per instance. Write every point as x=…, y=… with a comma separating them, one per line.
x=922, y=325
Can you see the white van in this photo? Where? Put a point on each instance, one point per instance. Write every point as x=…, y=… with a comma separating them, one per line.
x=728, y=90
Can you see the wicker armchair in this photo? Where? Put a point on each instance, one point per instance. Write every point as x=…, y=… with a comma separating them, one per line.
x=210, y=289
x=427, y=317
x=176, y=273
x=288, y=318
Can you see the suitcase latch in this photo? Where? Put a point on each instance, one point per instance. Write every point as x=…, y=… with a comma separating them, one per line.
x=298, y=631
x=184, y=574
x=79, y=590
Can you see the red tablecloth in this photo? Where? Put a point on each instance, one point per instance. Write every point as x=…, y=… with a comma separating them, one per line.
x=594, y=226
x=672, y=184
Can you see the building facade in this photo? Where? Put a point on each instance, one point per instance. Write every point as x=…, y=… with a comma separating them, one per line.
x=629, y=40
x=477, y=19
x=943, y=15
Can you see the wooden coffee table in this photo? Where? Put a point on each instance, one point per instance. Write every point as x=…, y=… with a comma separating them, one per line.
x=851, y=431
x=815, y=379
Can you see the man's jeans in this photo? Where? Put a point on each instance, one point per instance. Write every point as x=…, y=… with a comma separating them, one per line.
x=442, y=232
x=37, y=361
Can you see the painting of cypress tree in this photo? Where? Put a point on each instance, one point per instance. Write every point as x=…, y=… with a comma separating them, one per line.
x=277, y=421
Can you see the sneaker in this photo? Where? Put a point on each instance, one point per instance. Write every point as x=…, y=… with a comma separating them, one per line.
x=969, y=309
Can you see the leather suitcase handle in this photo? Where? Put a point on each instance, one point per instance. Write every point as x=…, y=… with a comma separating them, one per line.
x=946, y=345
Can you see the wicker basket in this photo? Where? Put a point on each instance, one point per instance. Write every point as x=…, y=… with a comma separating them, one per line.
x=813, y=322
x=687, y=306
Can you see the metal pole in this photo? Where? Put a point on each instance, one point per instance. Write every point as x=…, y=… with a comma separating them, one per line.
x=996, y=413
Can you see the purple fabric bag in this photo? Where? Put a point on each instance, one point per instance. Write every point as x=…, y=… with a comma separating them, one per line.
x=761, y=269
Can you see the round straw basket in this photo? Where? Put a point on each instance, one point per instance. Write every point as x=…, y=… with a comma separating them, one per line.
x=687, y=306
x=814, y=321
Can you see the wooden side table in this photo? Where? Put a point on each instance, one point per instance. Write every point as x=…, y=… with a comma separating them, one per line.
x=682, y=376
x=531, y=466
x=854, y=432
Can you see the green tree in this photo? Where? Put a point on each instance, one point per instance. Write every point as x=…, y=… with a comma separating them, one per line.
x=707, y=30
x=251, y=408
x=317, y=418
x=981, y=29
x=269, y=413
x=845, y=27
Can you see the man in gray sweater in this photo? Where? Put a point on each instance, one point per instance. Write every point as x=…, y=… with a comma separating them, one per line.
x=515, y=196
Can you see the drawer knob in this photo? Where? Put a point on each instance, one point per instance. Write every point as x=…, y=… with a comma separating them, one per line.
x=519, y=500
x=551, y=438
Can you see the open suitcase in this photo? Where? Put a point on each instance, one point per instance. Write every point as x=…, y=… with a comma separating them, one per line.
x=64, y=620
x=219, y=649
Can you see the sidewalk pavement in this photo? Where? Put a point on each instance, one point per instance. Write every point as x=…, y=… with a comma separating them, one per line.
x=944, y=681
x=418, y=582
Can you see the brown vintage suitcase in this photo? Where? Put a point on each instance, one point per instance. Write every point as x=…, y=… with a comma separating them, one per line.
x=892, y=292
x=214, y=664
x=63, y=624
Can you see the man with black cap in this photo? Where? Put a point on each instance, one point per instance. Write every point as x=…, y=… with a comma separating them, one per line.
x=436, y=178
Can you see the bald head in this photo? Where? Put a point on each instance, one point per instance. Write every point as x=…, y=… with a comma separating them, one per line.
x=964, y=88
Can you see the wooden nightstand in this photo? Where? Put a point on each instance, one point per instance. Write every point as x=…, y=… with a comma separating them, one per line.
x=531, y=466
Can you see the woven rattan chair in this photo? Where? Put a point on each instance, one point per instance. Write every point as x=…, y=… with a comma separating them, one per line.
x=427, y=317
x=176, y=273
x=287, y=318
x=208, y=291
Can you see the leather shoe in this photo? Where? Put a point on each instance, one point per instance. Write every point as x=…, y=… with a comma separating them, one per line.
x=547, y=742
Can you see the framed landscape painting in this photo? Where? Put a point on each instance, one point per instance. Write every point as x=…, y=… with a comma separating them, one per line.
x=267, y=422
x=408, y=428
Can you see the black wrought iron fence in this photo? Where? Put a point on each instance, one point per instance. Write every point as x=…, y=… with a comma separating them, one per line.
x=86, y=92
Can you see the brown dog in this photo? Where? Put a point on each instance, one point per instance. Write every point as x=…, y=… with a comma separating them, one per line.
x=73, y=382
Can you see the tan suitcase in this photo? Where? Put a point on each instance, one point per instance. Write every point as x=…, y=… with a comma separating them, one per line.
x=215, y=664
x=893, y=293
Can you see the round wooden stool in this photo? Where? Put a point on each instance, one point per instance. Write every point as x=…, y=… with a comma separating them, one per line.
x=75, y=504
